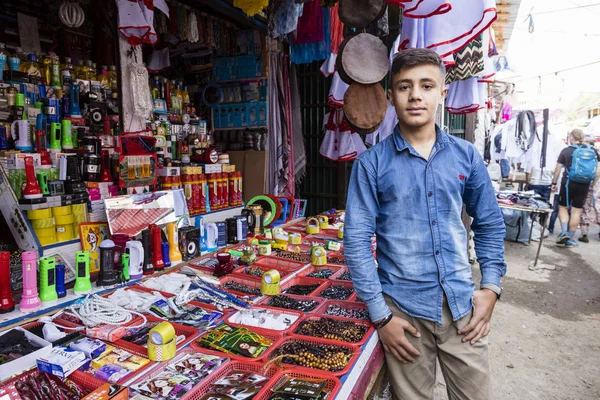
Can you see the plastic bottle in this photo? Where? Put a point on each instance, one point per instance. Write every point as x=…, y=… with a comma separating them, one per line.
x=67, y=72
x=213, y=192
x=112, y=78
x=225, y=177
x=196, y=188
x=186, y=98
x=4, y=55
x=155, y=89
x=79, y=70
x=240, y=193
x=167, y=97
x=103, y=77
x=31, y=67
x=203, y=185
x=232, y=188
x=21, y=55
x=179, y=94
x=187, y=188
x=54, y=70
x=174, y=97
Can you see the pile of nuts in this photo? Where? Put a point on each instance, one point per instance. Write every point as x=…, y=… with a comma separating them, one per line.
x=302, y=290
x=333, y=329
x=326, y=357
x=359, y=313
x=282, y=301
x=321, y=273
x=238, y=287
x=336, y=293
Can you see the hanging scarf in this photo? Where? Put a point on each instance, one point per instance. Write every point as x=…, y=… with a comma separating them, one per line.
x=251, y=7
x=307, y=53
x=285, y=18
x=310, y=25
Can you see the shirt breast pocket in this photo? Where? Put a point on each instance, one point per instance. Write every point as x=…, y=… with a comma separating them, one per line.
x=450, y=186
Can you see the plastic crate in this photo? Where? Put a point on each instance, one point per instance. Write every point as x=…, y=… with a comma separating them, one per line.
x=334, y=268
x=92, y=380
x=311, y=317
x=272, y=336
x=241, y=272
x=197, y=303
x=355, y=354
x=183, y=330
x=88, y=385
x=35, y=327
x=340, y=272
x=336, y=254
x=329, y=283
x=280, y=264
x=304, y=259
x=160, y=367
x=252, y=283
x=349, y=305
x=331, y=382
x=267, y=300
x=301, y=280
x=205, y=387
x=273, y=310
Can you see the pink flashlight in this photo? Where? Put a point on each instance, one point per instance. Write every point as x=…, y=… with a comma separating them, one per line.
x=30, y=302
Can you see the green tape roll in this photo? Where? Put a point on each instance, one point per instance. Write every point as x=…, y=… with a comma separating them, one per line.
x=269, y=205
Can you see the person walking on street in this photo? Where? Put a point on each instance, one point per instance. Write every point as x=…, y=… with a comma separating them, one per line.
x=580, y=163
x=409, y=191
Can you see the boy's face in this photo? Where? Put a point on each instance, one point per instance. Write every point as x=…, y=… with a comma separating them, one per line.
x=416, y=93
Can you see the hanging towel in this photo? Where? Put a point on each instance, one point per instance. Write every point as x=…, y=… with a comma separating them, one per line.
x=310, y=25
x=309, y=52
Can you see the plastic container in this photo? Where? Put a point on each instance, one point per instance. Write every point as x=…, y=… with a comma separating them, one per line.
x=241, y=272
x=305, y=257
x=329, y=283
x=88, y=385
x=266, y=301
x=273, y=310
x=279, y=264
x=252, y=283
x=276, y=338
x=187, y=331
x=313, y=268
x=331, y=382
x=335, y=254
x=160, y=367
x=348, y=305
x=302, y=280
x=311, y=317
x=311, y=371
x=340, y=272
x=259, y=368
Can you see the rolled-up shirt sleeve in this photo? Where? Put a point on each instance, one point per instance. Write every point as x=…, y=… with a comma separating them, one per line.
x=359, y=227
x=488, y=224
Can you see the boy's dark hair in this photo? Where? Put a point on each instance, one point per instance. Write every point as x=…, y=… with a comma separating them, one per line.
x=415, y=57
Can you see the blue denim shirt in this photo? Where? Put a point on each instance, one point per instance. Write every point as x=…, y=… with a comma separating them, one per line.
x=414, y=206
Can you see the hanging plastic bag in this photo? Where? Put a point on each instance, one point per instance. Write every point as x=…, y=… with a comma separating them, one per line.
x=142, y=99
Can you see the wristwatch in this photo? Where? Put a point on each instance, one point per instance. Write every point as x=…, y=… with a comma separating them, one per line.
x=494, y=288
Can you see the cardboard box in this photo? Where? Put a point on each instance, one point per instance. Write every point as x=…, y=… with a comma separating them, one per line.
x=253, y=165
x=228, y=167
x=27, y=362
x=109, y=392
x=17, y=160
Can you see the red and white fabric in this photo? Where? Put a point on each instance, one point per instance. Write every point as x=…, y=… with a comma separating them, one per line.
x=336, y=91
x=136, y=19
x=466, y=96
x=330, y=145
x=328, y=66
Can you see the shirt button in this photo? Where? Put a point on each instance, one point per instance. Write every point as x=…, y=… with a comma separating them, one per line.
x=433, y=222
x=442, y=281
x=430, y=194
x=437, y=252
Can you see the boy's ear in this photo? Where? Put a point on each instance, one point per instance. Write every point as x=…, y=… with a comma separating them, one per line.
x=389, y=95
x=444, y=93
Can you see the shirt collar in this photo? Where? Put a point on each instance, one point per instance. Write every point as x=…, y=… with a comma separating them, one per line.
x=441, y=139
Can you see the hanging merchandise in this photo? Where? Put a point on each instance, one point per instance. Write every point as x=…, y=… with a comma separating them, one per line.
x=194, y=35
x=304, y=53
x=338, y=62
x=360, y=13
x=310, y=29
x=364, y=59
x=285, y=18
x=251, y=7
x=365, y=107
x=136, y=20
x=71, y=14
x=466, y=96
x=142, y=99
x=468, y=62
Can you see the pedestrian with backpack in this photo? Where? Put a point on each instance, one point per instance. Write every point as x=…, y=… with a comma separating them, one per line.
x=581, y=169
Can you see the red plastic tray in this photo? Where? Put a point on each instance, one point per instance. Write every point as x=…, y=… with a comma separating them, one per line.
x=332, y=383
x=205, y=387
x=334, y=268
x=355, y=351
x=337, y=255
x=253, y=283
x=301, y=280
x=341, y=271
x=267, y=300
x=279, y=263
x=329, y=283
x=305, y=257
x=241, y=272
x=88, y=385
x=274, y=310
x=160, y=367
x=95, y=381
x=187, y=331
x=272, y=336
x=349, y=305
x=310, y=317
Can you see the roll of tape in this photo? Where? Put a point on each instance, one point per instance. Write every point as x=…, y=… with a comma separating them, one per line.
x=64, y=210
x=42, y=223
x=270, y=284
x=295, y=238
x=65, y=232
x=162, y=352
x=271, y=207
x=45, y=232
x=39, y=214
x=64, y=219
x=162, y=333
x=47, y=240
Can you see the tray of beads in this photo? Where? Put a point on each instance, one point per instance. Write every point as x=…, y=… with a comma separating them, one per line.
x=255, y=271
x=333, y=328
x=292, y=302
x=241, y=286
x=320, y=272
x=308, y=355
x=290, y=255
x=336, y=290
x=301, y=286
x=345, y=309
x=238, y=343
x=343, y=274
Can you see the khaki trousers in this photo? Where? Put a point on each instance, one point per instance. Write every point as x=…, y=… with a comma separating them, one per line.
x=465, y=367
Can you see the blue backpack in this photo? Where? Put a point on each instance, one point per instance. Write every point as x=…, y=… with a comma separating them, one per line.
x=584, y=164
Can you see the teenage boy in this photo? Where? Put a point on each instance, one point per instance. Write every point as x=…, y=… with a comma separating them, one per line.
x=409, y=190
x=572, y=194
